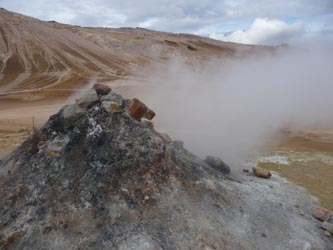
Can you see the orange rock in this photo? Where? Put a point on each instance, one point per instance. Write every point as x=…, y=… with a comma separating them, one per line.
x=42, y=144
x=101, y=89
x=139, y=110
x=261, y=172
x=149, y=114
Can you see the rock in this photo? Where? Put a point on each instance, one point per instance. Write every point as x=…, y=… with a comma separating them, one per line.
x=138, y=110
x=113, y=97
x=72, y=110
x=88, y=99
x=146, y=123
x=149, y=114
x=111, y=106
x=261, y=172
x=327, y=226
x=190, y=47
x=321, y=213
x=245, y=170
x=217, y=164
x=56, y=146
x=101, y=89
x=328, y=234
x=42, y=144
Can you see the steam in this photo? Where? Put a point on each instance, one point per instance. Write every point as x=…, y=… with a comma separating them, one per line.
x=231, y=108
x=92, y=81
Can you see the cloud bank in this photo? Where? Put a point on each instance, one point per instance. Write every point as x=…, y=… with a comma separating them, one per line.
x=207, y=17
x=264, y=31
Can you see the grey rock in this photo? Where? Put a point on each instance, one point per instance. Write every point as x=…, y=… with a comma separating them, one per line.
x=327, y=226
x=217, y=164
x=113, y=97
x=88, y=99
x=56, y=146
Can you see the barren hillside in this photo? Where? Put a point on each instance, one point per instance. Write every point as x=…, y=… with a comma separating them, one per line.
x=37, y=55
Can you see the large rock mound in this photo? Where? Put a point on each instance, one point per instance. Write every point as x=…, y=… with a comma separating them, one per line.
x=98, y=176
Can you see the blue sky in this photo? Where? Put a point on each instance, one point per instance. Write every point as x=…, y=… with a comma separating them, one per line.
x=245, y=21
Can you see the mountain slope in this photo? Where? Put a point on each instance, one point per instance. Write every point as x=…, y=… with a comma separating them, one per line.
x=36, y=54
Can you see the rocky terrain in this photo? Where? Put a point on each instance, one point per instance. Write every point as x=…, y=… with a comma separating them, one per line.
x=97, y=175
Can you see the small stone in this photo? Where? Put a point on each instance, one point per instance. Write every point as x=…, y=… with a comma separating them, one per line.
x=56, y=146
x=321, y=213
x=42, y=144
x=147, y=123
x=328, y=234
x=246, y=170
x=139, y=110
x=261, y=172
x=101, y=89
x=113, y=97
x=327, y=226
x=111, y=106
x=88, y=99
x=217, y=164
x=300, y=212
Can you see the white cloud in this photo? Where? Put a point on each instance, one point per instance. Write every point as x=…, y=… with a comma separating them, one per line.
x=186, y=16
x=264, y=31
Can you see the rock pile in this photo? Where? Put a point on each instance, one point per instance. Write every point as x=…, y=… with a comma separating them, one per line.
x=97, y=177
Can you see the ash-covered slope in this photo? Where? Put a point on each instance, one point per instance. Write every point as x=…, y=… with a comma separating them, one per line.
x=98, y=176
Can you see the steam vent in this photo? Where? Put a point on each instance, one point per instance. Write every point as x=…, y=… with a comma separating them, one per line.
x=98, y=176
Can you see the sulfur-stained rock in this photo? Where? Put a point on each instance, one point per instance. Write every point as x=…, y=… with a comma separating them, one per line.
x=111, y=106
x=101, y=89
x=88, y=99
x=261, y=172
x=138, y=110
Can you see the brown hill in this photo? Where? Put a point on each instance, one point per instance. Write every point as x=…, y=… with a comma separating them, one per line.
x=37, y=55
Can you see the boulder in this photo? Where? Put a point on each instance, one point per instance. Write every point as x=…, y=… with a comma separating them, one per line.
x=88, y=99
x=327, y=226
x=139, y=110
x=101, y=89
x=111, y=106
x=217, y=164
x=261, y=172
x=321, y=213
